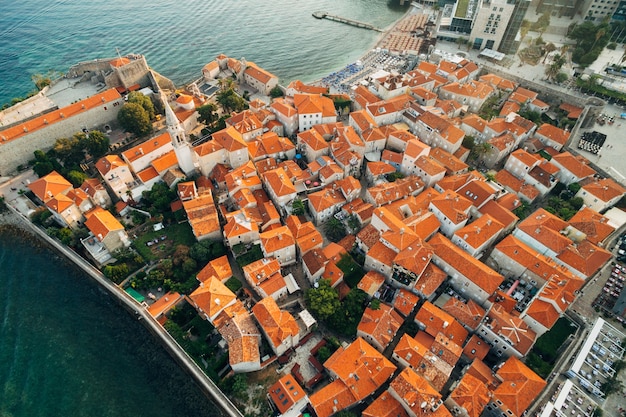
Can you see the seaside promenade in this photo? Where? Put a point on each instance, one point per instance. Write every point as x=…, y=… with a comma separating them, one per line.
x=212, y=391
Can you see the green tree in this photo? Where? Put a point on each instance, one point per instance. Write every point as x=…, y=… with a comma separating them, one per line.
x=76, y=178
x=116, y=273
x=561, y=77
x=230, y=101
x=144, y=101
x=135, y=119
x=276, y=92
x=65, y=236
x=207, y=114
x=323, y=301
x=375, y=304
x=335, y=229
x=95, y=143
x=69, y=150
x=297, y=207
x=547, y=49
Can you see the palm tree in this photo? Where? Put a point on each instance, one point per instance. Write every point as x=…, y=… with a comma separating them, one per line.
x=599, y=34
x=548, y=49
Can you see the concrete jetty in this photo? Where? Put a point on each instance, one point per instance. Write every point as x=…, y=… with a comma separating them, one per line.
x=351, y=22
x=169, y=343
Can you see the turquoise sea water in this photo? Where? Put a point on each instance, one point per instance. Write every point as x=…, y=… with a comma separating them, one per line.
x=66, y=349
x=179, y=36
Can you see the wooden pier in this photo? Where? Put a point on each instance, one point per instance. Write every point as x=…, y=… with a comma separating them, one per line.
x=351, y=22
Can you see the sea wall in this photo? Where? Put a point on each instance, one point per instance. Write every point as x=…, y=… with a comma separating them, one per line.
x=13, y=219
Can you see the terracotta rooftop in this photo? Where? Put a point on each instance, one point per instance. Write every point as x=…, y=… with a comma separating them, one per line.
x=438, y=321
x=476, y=348
x=212, y=297
x=101, y=222
x=277, y=324
x=415, y=391
x=498, y=212
x=479, y=231
x=453, y=206
x=286, y=392
x=381, y=324
x=472, y=395
x=405, y=301
x=553, y=133
x=469, y=267
x=577, y=165
x=384, y=406
x=371, y=282
x=430, y=280
x=594, y=225
x=604, y=189
x=49, y=186
x=468, y=313
x=520, y=386
x=55, y=116
x=512, y=328
x=218, y=268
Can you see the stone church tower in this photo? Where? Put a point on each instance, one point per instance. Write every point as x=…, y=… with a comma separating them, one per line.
x=182, y=147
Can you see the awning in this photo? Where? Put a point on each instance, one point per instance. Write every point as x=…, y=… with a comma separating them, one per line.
x=490, y=53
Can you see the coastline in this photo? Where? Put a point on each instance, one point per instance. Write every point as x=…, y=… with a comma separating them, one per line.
x=13, y=223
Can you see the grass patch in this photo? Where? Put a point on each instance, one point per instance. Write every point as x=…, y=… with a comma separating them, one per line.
x=253, y=254
x=352, y=271
x=176, y=234
x=544, y=354
x=461, y=8
x=548, y=344
x=233, y=284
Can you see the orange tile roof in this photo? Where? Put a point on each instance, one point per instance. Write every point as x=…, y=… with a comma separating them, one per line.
x=553, y=133
x=510, y=327
x=313, y=103
x=218, y=268
x=109, y=162
x=477, y=191
x=472, y=395
x=101, y=222
x=261, y=270
x=258, y=73
x=55, y=116
x=164, y=304
x=148, y=146
x=360, y=367
x=381, y=324
x=452, y=205
x=470, y=314
x=405, y=301
x=508, y=180
x=59, y=203
x=479, y=231
x=594, y=225
x=212, y=297
x=49, y=186
x=577, y=165
x=538, y=264
x=476, y=348
x=202, y=214
x=472, y=269
x=380, y=168
x=277, y=324
x=438, y=321
x=165, y=162
x=449, y=161
x=276, y=239
x=279, y=182
x=387, y=192
x=525, y=157
x=573, y=112
x=385, y=406
x=474, y=89
x=286, y=392
x=382, y=254
x=415, y=391
x=334, y=397
x=371, y=282
x=483, y=373
x=584, y=257
x=148, y=174
x=410, y=350
x=415, y=257
x=605, y=189
x=545, y=228
x=498, y=212
x=520, y=386
x=230, y=139
x=238, y=329
x=430, y=280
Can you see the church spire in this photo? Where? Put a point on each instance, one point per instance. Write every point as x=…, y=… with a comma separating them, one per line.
x=182, y=148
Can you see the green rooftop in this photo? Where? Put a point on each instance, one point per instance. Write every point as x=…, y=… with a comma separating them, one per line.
x=133, y=293
x=461, y=8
